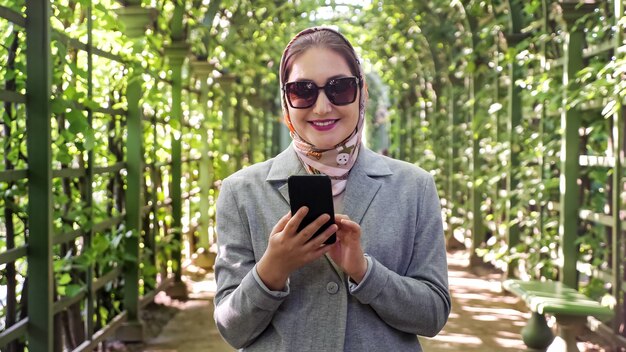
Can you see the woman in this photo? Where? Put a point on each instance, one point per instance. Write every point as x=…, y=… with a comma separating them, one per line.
x=383, y=281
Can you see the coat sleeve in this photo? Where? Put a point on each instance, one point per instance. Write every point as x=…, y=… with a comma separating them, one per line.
x=243, y=308
x=418, y=302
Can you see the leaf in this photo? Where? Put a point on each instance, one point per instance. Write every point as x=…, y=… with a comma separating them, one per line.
x=90, y=139
x=61, y=290
x=58, y=106
x=129, y=257
x=63, y=156
x=77, y=120
x=100, y=243
x=10, y=75
x=60, y=265
x=104, y=312
x=6, y=118
x=65, y=279
x=83, y=262
x=72, y=290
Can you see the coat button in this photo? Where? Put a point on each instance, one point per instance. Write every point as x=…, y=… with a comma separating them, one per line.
x=332, y=288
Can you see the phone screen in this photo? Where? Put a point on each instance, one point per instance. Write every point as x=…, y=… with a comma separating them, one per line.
x=315, y=192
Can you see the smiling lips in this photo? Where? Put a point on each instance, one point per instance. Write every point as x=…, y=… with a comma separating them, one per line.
x=323, y=125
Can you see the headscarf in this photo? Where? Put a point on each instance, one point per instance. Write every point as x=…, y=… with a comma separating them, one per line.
x=338, y=161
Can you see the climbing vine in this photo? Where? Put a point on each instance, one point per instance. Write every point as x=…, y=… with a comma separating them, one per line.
x=439, y=75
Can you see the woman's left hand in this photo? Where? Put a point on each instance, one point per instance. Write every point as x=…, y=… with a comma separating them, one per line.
x=347, y=252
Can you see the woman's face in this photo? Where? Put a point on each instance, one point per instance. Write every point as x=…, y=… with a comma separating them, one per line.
x=324, y=124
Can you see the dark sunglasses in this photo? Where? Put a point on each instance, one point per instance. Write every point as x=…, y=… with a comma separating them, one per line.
x=303, y=94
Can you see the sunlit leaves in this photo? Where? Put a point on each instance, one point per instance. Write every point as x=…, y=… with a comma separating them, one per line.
x=419, y=58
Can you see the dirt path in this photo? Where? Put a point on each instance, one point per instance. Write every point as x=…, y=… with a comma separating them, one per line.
x=192, y=329
x=483, y=318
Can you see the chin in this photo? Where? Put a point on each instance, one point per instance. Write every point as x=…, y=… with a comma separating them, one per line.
x=325, y=141
x=325, y=144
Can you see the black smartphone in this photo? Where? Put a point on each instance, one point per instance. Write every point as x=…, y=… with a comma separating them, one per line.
x=315, y=192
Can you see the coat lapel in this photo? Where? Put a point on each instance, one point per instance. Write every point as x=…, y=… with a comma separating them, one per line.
x=284, y=165
x=363, y=183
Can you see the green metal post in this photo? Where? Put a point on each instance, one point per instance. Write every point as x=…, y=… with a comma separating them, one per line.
x=476, y=121
x=617, y=186
x=267, y=144
x=135, y=20
x=407, y=126
x=202, y=69
x=478, y=230
x=543, y=165
x=513, y=123
x=155, y=177
x=452, y=152
x=253, y=127
x=277, y=130
x=570, y=144
x=418, y=138
x=89, y=275
x=227, y=113
x=239, y=135
x=495, y=117
x=403, y=129
x=177, y=130
x=176, y=53
x=133, y=329
x=38, y=114
x=423, y=125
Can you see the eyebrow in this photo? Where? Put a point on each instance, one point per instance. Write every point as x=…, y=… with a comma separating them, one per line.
x=329, y=78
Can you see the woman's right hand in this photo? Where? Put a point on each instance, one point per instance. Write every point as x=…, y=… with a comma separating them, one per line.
x=289, y=250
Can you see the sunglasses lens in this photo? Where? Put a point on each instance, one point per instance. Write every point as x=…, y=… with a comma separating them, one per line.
x=301, y=94
x=341, y=91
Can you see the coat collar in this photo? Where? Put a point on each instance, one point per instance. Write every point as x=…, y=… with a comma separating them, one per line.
x=363, y=183
x=284, y=165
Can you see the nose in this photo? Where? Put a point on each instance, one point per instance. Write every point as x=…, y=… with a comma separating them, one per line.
x=322, y=104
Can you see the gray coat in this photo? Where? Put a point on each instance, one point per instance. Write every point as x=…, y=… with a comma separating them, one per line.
x=404, y=294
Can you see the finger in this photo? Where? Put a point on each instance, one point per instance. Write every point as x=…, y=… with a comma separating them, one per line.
x=323, y=249
x=322, y=237
x=349, y=230
x=316, y=248
x=281, y=223
x=314, y=226
x=343, y=236
x=296, y=219
x=349, y=224
x=339, y=217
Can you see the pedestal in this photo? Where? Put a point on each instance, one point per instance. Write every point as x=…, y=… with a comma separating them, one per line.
x=178, y=290
x=130, y=332
x=536, y=334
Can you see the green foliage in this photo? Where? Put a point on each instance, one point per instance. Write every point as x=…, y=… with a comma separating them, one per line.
x=438, y=73
x=430, y=46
